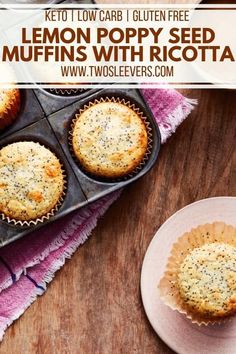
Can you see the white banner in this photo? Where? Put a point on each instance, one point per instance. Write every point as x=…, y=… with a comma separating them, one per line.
x=133, y=45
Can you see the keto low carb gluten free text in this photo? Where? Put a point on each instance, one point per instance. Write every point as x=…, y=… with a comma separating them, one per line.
x=105, y=15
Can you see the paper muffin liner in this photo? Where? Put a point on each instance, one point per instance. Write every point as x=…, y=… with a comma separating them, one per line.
x=10, y=113
x=197, y=237
x=139, y=113
x=48, y=215
x=64, y=92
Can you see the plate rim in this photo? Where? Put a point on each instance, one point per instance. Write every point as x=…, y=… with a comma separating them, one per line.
x=145, y=258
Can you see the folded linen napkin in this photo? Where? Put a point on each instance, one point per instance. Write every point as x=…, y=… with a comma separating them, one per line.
x=27, y=265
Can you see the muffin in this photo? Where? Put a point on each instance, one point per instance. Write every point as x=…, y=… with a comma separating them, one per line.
x=207, y=280
x=31, y=181
x=109, y=139
x=200, y=276
x=9, y=106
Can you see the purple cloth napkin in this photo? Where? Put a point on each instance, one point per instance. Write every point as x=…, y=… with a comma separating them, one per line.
x=27, y=265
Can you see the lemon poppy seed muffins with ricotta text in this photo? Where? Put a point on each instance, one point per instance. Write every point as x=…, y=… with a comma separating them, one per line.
x=109, y=138
x=31, y=181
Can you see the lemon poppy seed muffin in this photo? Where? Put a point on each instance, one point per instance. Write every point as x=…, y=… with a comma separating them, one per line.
x=9, y=106
x=109, y=139
x=10, y=100
x=207, y=280
x=31, y=180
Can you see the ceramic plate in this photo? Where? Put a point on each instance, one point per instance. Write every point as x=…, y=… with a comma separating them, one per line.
x=173, y=328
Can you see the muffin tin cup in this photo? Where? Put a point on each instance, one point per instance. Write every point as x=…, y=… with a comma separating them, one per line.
x=61, y=122
x=141, y=115
x=71, y=199
x=208, y=233
x=48, y=215
x=52, y=102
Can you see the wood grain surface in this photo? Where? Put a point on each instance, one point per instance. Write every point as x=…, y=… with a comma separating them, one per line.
x=93, y=306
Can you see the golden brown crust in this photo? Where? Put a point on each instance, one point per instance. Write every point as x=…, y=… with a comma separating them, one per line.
x=31, y=181
x=109, y=139
x=207, y=280
x=9, y=106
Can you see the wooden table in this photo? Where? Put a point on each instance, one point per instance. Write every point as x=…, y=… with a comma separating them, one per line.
x=93, y=305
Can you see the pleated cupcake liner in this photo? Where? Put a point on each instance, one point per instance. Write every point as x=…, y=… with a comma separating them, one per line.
x=66, y=92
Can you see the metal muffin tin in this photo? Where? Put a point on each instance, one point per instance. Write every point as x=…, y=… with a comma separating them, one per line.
x=46, y=118
x=52, y=131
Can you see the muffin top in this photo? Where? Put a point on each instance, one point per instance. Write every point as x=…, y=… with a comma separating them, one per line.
x=109, y=139
x=31, y=180
x=207, y=280
x=5, y=94
x=7, y=97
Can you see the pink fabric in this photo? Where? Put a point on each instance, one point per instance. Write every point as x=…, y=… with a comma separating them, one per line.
x=27, y=265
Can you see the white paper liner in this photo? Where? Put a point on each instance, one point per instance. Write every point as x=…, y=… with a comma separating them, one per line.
x=168, y=289
x=139, y=113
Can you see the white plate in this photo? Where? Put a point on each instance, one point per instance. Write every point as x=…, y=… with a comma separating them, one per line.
x=173, y=328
